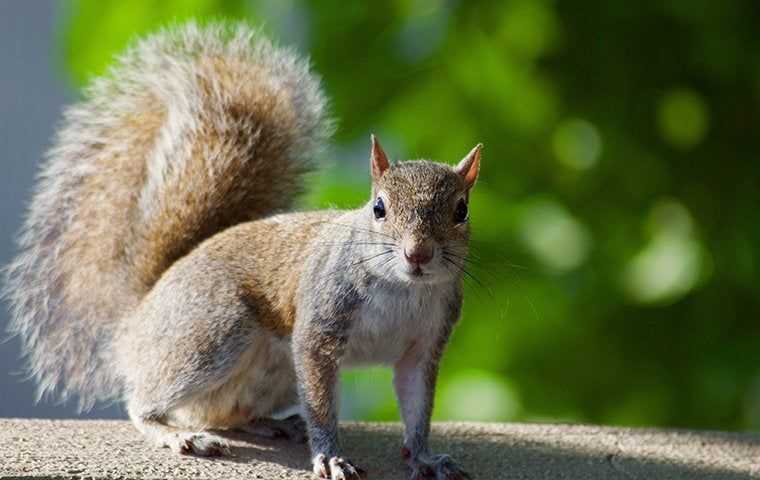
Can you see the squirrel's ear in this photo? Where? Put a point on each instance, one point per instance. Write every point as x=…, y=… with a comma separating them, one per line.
x=378, y=159
x=469, y=167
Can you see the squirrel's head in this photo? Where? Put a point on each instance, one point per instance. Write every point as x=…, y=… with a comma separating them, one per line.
x=420, y=209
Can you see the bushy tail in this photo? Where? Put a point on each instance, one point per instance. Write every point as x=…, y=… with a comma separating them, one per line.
x=194, y=130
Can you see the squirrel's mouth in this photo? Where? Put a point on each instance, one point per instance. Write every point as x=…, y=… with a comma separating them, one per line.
x=417, y=271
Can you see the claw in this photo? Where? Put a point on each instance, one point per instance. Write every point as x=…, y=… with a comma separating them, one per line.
x=320, y=466
x=336, y=468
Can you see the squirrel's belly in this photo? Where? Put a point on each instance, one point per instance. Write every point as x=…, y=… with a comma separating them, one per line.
x=262, y=384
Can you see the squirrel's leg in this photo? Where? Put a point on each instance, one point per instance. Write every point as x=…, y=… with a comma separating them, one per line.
x=414, y=379
x=181, y=441
x=316, y=354
x=185, y=356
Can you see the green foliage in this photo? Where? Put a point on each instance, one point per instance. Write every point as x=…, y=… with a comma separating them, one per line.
x=617, y=241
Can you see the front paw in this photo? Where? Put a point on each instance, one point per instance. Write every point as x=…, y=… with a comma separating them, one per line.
x=336, y=468
x=438, y=467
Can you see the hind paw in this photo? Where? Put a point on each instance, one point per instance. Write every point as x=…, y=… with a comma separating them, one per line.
x=201, y=444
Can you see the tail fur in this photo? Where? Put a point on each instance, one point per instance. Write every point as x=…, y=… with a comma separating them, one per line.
x=167, y=149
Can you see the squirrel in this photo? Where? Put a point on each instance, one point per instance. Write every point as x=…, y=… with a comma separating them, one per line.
x=160, y=264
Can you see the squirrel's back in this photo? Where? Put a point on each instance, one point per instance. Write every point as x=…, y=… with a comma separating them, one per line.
x=194, y=130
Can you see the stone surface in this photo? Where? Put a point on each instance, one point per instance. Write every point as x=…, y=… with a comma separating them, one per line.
x=71, y=449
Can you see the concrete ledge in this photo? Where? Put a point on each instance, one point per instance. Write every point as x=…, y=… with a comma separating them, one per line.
x=71, y=449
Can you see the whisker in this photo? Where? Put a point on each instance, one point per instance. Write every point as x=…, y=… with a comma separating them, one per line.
x=469, y=274
x=483, y=268
x=501, y=260
x=367, y=259
x=477, y=291
x=505, y=271
x=382, y=265
x=498, y=272
x=359, y=229
x=342, y=269
x=474, y=261
x=350, y=242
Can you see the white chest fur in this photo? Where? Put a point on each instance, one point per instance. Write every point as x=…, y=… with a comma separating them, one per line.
x=391, y=320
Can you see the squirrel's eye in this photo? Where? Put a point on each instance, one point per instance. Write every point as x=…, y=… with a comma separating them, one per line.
x=460, y=214
x=379, y=208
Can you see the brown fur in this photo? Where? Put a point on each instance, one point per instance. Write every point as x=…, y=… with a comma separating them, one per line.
x=270, y=273
x=192, y=214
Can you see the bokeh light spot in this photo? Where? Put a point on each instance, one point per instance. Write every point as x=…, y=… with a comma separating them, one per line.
x=554, y=236
x=682, y=118
x=479, y=395
x=529, y=27
x=670, y=265
x=577, y=144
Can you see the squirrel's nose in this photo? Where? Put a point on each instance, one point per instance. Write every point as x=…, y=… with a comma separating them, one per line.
x=419, y=256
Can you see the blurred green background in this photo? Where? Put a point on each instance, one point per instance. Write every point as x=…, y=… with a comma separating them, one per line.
x=616, y=233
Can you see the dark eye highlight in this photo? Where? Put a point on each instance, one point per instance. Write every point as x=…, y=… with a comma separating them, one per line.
x=460, y=213
x=379, y=208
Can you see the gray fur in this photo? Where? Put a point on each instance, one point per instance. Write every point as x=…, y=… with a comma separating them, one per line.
x=355, y=307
